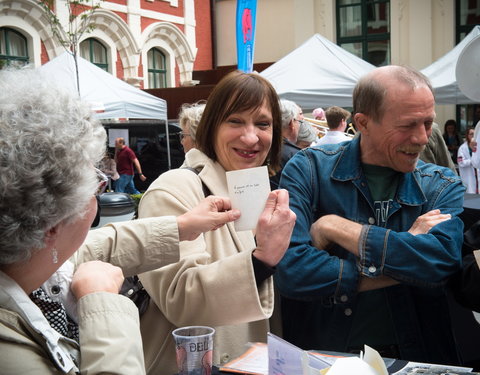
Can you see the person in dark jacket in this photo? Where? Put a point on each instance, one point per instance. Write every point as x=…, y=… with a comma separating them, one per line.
x=292, y=118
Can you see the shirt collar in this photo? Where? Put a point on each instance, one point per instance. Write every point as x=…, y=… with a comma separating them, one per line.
x=14, y=298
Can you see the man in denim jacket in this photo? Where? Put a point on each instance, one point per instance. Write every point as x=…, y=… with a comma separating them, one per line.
x=377, y=232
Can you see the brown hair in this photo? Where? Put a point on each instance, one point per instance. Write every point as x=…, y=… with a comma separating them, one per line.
x=467, y=131
x=238, y=92
x=335, y=115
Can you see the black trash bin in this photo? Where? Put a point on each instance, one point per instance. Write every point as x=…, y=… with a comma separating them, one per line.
x=115, y=207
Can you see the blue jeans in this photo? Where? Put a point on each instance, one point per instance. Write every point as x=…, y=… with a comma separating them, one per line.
x=125, y=185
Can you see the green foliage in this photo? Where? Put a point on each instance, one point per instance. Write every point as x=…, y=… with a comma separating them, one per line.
x=136, y=198
x=80, y=14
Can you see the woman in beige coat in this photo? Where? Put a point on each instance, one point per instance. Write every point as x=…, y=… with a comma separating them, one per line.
x=54, y=321
x=223, y=278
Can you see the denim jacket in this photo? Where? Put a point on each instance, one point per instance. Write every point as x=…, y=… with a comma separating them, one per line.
x=319, y=287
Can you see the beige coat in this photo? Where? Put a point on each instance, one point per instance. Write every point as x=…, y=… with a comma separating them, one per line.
x=108, y=323
x=213, y=284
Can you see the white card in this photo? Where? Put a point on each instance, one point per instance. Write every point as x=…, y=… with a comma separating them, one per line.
x=351, y=365
x=476, y=254
x=248, y=190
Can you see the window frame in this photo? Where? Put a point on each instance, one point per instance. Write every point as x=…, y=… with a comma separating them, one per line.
x=91, y=45
x=7, y=56
x=156, y=71
x=364, y=38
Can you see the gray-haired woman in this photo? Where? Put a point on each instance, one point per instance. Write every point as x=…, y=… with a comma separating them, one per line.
x=51, y=319
x=189, y=117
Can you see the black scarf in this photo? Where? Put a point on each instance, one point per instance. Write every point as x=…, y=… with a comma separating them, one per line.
x=55, y=313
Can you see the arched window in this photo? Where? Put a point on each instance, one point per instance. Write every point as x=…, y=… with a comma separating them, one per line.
x=95, y=52
x=13, y=48
x=157, y=70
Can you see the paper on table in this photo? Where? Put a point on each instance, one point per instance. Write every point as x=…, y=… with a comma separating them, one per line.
x=374, y=359
x=254, y=361
x=351, y=365
x=286, y=358
x=428, y=368
x=371, y=363
x=476, y=254
x=248, y=190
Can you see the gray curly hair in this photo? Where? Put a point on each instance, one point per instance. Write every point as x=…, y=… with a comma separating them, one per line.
x=306, y=133
x=289, y=111
x=189, y=117
x=49, y=143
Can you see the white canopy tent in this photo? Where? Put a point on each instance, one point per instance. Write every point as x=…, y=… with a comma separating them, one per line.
x=319, y=73
x=115, y=97
x=109, y=96
x=442, y=74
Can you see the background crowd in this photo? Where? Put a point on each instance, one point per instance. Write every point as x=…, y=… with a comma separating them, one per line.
x=360, y=240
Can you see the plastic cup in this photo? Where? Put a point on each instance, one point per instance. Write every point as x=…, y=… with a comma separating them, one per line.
x=194, y=349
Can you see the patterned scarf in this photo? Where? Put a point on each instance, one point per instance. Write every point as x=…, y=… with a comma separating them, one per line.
x=55, y=313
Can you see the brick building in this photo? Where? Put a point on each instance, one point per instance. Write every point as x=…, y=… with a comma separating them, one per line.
x=148, y=43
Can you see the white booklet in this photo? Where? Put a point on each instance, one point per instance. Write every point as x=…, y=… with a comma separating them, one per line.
x=248, y=190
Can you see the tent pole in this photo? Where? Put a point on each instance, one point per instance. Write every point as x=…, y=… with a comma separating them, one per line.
x=168, y=145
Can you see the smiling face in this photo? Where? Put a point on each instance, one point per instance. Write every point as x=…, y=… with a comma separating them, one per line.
x=398, y=137
x=244, y=139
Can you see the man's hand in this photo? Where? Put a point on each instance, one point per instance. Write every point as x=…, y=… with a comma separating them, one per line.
x=210, y=214
x=333, y=229
x=317, y=232
x=142, y=177
x=274, y=228
x=96, y=276
x=427, y=221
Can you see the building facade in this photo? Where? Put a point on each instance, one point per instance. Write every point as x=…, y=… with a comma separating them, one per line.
x=148, y=43
x=161, y=43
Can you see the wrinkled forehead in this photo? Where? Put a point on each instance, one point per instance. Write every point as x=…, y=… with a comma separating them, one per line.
x=403, y=96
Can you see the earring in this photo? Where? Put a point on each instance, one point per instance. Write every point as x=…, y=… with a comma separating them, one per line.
x=54, y=256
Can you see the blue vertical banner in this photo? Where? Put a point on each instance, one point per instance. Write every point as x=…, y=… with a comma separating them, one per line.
x=246, y=16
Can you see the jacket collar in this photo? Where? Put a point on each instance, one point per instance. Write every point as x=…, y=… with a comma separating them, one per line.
x=211, y=172
x=348, y=168
x=290, y=143
x=14, y=298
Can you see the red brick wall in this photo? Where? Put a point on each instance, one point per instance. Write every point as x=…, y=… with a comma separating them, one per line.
x=145, y=22
x=163, y=7
x=121, y=2
x=203, y=31
x=123, y=16
x=140, y=72
x=44, y=55
x=119, y=67
x=177, y=76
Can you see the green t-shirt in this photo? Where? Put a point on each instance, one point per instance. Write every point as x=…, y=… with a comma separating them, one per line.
x=372, y=322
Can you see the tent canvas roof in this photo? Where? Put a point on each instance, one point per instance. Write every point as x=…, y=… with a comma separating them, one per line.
x=319, y=73
x=442, y=74
x=116, y=97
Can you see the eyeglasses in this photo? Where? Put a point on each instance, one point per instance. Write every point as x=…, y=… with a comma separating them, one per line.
x=183, y=135
x=102, y=181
